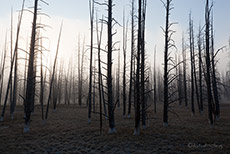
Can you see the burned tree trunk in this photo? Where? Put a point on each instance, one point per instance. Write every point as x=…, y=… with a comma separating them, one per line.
x=131, y=61
x=137, y=82
x=208, y=63
x=30, y=73
x=91, y=5
x=109, y=70
x=166, y=78
x=155, y=84
x=184, y=71
x=53, y=75
x=191, y=44
x=143, y=100
x=12, y=63
x=200, y=70
x=214, y=78
x=125, y=30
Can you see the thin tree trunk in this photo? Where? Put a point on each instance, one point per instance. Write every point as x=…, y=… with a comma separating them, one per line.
x=131, y=61
x=91, y=6
x=214, y=78
x=166, y=101
x=155, y=84
x=191, y=44
x=184, y=71
x=200, y=70
x=30, y=73
x=53, y=73
x=109, y=70
x=137, y=82
x=12, y=62
x=208, y=65
x=125, y=26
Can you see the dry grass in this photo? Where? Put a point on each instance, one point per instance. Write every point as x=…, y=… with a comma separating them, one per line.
x=67, y=131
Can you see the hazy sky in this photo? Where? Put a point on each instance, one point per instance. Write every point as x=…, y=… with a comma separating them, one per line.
x=75, y=14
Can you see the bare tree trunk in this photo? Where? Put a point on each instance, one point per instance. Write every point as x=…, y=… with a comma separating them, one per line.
x=214, y=78
x=208, y=65
x=42, y=88
x=125, y=30
x=53, y=73
x=137, y=82
x=109, y=70
x=131, y=60
x=200, y=70
x=91, y=6
x=155, y=84
x=99, y=38
x=143, y=100
x=30, y=73
x=166, y=101
x=12, y=62
x=118, y=80
x=191, y=44
x=3, y=69
x=184, y=71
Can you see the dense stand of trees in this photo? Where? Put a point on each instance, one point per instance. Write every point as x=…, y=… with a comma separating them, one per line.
x=140, y=95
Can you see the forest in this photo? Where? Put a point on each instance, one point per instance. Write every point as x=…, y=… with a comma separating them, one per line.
x=112, y=95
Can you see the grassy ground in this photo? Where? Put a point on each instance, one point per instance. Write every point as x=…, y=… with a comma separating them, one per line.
x=67, y=131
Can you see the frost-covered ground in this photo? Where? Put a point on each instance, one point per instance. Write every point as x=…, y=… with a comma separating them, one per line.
x=67, y=131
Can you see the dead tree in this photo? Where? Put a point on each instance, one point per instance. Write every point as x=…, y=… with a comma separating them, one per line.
x=214, y=76
x=118, y=79
x=101, y=93
x=30, y=73
x=131, y=58
x=179, y=84
x=15, y=83
x=91, y=8
x=167, y=61
x=53, y=74
x=208, y=63
x=125, y=31
x=192, y=61
x=42, y=86
x=185, y=94
x=199, y=43
x=3, y=69
x=80, y=68
x=143, y=99
x=12, y=62
x=111, y=106
x=155, y=84
x=137, y=82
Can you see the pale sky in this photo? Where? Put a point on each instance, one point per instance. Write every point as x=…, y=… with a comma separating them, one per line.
x=75, y=14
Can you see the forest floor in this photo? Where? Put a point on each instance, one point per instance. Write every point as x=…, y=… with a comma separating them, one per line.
x=67, y=131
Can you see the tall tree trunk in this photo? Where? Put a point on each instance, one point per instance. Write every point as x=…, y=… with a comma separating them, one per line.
x=109, y=70
x=131, y=60
x=208, y=64
x=200, y=70
x=137, y=82
x=184, y=71
x=125, y=26
x=53, y=74
x=191, y=44
x=99, y=38
x=214, y=78
x=30, y=73
x=143, y=101
x=166, y=93
x=91, y=6
x=155, y=84
x=12, y=62
x=3, y=69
